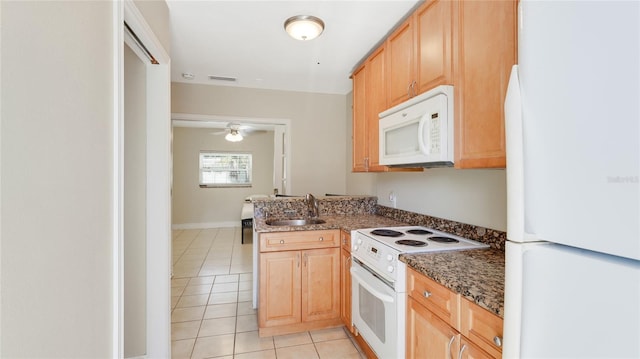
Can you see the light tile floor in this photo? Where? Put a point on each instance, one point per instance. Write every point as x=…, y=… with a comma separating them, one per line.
x=212, y=314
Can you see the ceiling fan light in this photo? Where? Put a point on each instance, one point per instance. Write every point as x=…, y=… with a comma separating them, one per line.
x=233, y=136
x=304, y=27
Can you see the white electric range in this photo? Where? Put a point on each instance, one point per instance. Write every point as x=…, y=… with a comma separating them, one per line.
x=379, y=280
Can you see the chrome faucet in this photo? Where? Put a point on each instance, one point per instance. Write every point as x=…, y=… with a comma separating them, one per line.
x=312, y=206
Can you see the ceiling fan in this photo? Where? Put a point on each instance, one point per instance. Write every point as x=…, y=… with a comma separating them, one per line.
x=235, y=132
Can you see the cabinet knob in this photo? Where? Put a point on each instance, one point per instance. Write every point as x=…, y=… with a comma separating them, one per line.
x=497, y=341
x=321, y=239
x=282, y=241
x=426, y=294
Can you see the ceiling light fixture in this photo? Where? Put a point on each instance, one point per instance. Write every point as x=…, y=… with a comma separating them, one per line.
x=304, y=27
x=233, y=136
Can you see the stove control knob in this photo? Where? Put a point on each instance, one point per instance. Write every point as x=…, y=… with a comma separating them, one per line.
x=389, y=257
x=390, y=269
x=355, y=248
x=359, y=241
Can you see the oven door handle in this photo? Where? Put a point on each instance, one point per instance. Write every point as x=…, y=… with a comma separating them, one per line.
x=363, y=282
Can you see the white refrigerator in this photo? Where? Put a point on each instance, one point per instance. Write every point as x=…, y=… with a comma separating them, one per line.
x=572, y=114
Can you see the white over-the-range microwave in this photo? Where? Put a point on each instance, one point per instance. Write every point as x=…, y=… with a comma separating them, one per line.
x=419, y=131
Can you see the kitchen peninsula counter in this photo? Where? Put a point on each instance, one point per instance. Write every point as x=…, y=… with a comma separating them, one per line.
x=477, y=274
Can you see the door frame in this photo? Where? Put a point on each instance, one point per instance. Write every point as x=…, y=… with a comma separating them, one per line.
x=158, y=169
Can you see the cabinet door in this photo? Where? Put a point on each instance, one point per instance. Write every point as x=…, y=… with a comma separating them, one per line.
x=376, y=103
x=434, y=296
x=360, y=142
x=280, y=288
x=434, y=52
x=427, y=335
x=400, y=76
x=482, y=327
x=345, y=240
x=470, y=351
x=486, y=38
x=320, y=284
x=345, y=288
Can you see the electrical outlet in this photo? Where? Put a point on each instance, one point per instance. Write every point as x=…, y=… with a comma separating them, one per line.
x=392, y=198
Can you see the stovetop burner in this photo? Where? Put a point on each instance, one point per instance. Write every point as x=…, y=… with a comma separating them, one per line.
x=440, y=239
x=387, y=233
x=419, y=231
x=411, y=242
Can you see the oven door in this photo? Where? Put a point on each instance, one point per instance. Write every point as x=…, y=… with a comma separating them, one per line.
x=374, y=311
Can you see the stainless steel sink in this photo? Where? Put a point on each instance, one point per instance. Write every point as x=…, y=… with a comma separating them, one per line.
x=294, y=222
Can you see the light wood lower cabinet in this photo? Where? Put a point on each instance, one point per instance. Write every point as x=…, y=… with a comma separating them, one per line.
x=280, y=289
x=299, y=289
x=427, y=335
x=345, y=280
x=441, y=324
x=320, y=284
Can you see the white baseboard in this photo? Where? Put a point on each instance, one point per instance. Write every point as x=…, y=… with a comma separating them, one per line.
x=138, y=357
x=237, y=223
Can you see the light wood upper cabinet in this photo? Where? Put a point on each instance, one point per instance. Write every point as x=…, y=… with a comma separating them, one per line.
x=486, y=50
x=376, y=103
x=434, y=28
x=369, y=99
x=360, y=141
x=471, y=45
x=401, y=63
x=420, y=52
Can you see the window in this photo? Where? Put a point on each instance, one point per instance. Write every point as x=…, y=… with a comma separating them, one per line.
x=225, y=169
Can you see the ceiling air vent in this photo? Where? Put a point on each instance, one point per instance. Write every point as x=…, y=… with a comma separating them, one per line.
x=222, y=78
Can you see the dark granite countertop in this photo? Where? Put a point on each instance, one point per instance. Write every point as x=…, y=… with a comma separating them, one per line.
x=346, y=222
x=477, y=274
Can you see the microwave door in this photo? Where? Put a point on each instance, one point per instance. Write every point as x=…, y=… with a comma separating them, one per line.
x=401, y=143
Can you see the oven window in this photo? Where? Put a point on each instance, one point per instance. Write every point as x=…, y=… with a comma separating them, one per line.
x=372, y=312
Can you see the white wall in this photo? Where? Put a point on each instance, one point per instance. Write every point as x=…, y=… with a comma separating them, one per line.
x=135, y=177
x=477, y=197
x=56, y=186
x=318, y=144
x=195, y=207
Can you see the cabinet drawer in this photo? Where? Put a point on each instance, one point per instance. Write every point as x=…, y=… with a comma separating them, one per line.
x=345, y=240
x=295, y=240
x=435, y=297
x=481, y=327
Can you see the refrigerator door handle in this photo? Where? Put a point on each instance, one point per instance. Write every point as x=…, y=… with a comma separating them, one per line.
x=515, y=156
x=515, y=161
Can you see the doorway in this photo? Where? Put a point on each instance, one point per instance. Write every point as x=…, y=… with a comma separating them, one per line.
x=141, y=175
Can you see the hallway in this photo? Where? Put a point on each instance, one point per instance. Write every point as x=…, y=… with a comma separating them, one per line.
x=212, y=314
